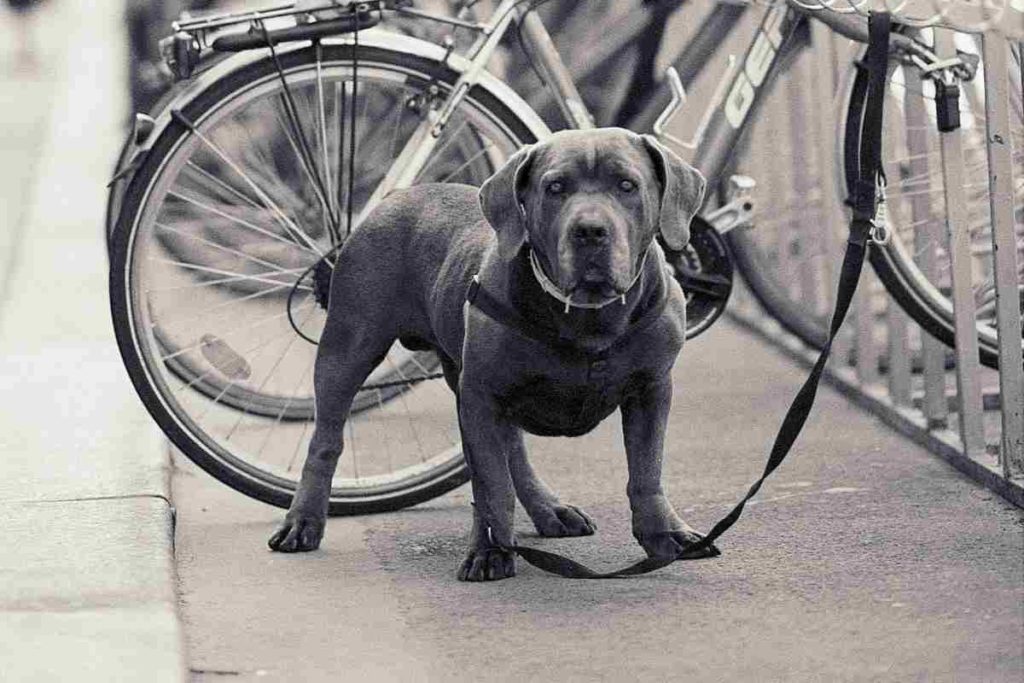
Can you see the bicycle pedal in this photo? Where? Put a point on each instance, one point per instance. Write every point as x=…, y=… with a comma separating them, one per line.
x=738, y=211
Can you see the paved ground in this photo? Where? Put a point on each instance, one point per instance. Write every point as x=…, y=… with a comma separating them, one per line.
x=85, y=570
x=865, y=559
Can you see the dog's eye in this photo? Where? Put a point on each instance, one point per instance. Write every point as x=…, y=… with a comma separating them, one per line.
x=627, y=185
x=555, y=187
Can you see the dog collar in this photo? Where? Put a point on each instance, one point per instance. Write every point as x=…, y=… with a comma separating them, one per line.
x=553, y=290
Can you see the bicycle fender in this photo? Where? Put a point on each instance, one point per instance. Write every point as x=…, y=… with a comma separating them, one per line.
x=374, y=38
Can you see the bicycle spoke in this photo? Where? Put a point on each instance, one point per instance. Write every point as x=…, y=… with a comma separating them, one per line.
x=219, y=247
x=439, y=151
x=343, y=163
x=257, y=349
x=306, y=156
x=230, y=303
x=405, y=404
x=287, y=404
x=218, y=271
x=245, y=413
x=248, y=328
x=238, y=221
x=311, y=173
x=209, y=177
x=322, y=126
x=393, y=148
x=467, y=163
x=256, y=277
x=416, y=361
x=298, y=447
x=387, y=436
x=353, y=449
x=265, y=199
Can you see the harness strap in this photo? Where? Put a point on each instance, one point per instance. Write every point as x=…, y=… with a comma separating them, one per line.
x=864, y=205
x=479, y=298
x=482, y=300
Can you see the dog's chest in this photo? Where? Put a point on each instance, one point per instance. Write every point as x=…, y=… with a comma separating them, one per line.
x=567, y=403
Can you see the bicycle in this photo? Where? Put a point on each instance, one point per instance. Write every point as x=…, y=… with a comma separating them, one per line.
x=231, y=200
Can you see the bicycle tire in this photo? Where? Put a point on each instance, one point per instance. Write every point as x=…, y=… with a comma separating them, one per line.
x=356, y=494
x=927, y=302
x=257, y=402
x=766, y=255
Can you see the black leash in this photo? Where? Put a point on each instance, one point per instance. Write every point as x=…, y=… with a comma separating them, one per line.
x=864, y=203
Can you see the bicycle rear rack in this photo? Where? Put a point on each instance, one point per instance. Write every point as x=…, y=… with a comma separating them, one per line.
x=302, y=20
x=311, y=10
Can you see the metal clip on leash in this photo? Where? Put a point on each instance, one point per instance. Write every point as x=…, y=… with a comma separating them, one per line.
x=880, y=230
x=868, y=223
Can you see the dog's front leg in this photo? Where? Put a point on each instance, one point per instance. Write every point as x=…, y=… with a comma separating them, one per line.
x=486, y=439
x=656, y=525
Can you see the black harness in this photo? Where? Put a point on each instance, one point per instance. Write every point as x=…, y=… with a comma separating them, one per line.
x=479, y=298
x=596, y=405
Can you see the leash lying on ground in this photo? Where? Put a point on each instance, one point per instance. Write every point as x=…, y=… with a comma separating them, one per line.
x=864, y=204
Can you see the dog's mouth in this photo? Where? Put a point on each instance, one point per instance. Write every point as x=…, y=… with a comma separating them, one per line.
x=595, y=281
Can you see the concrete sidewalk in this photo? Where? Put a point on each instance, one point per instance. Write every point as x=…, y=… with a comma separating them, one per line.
x=864, y=558
x=86, y=569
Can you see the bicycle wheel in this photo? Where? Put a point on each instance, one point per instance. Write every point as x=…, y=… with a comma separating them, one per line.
x=786, y=257
x=916, y=201
x=224, y=217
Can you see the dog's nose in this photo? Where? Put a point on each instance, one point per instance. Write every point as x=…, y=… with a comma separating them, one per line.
x=589, y=231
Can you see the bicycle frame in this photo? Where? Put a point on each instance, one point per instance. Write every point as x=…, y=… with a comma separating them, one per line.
x=739, y=94
x=724, y=123
x=721, y=127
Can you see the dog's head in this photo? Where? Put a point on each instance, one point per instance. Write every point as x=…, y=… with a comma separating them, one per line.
x=590, y=203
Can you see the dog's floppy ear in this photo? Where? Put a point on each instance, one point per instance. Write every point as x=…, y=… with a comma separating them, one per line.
x=502, y=205
x=682, y=192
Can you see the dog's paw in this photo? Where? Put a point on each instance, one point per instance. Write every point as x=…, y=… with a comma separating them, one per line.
x=560, y=519
x=679, y=544
x=297, y=534
x=487, y=564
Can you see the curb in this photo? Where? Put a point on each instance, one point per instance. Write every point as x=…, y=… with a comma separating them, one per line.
x=88, y=589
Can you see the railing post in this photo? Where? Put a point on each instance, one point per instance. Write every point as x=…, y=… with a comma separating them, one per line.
x=1001, y=195
x=898, y=324
x=959, y=246
x=865, y=343
x=804, y=180
x=927, y=237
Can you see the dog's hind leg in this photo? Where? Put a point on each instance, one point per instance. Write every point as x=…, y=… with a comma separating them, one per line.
x=352, y=345
x=550, y=516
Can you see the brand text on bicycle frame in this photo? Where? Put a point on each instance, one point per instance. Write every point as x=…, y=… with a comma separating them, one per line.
x=778, y=23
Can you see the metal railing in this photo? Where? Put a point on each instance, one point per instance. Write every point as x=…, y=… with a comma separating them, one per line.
x=971, y=415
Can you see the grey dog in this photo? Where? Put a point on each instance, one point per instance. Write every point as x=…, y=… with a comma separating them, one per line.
x=574, y=317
